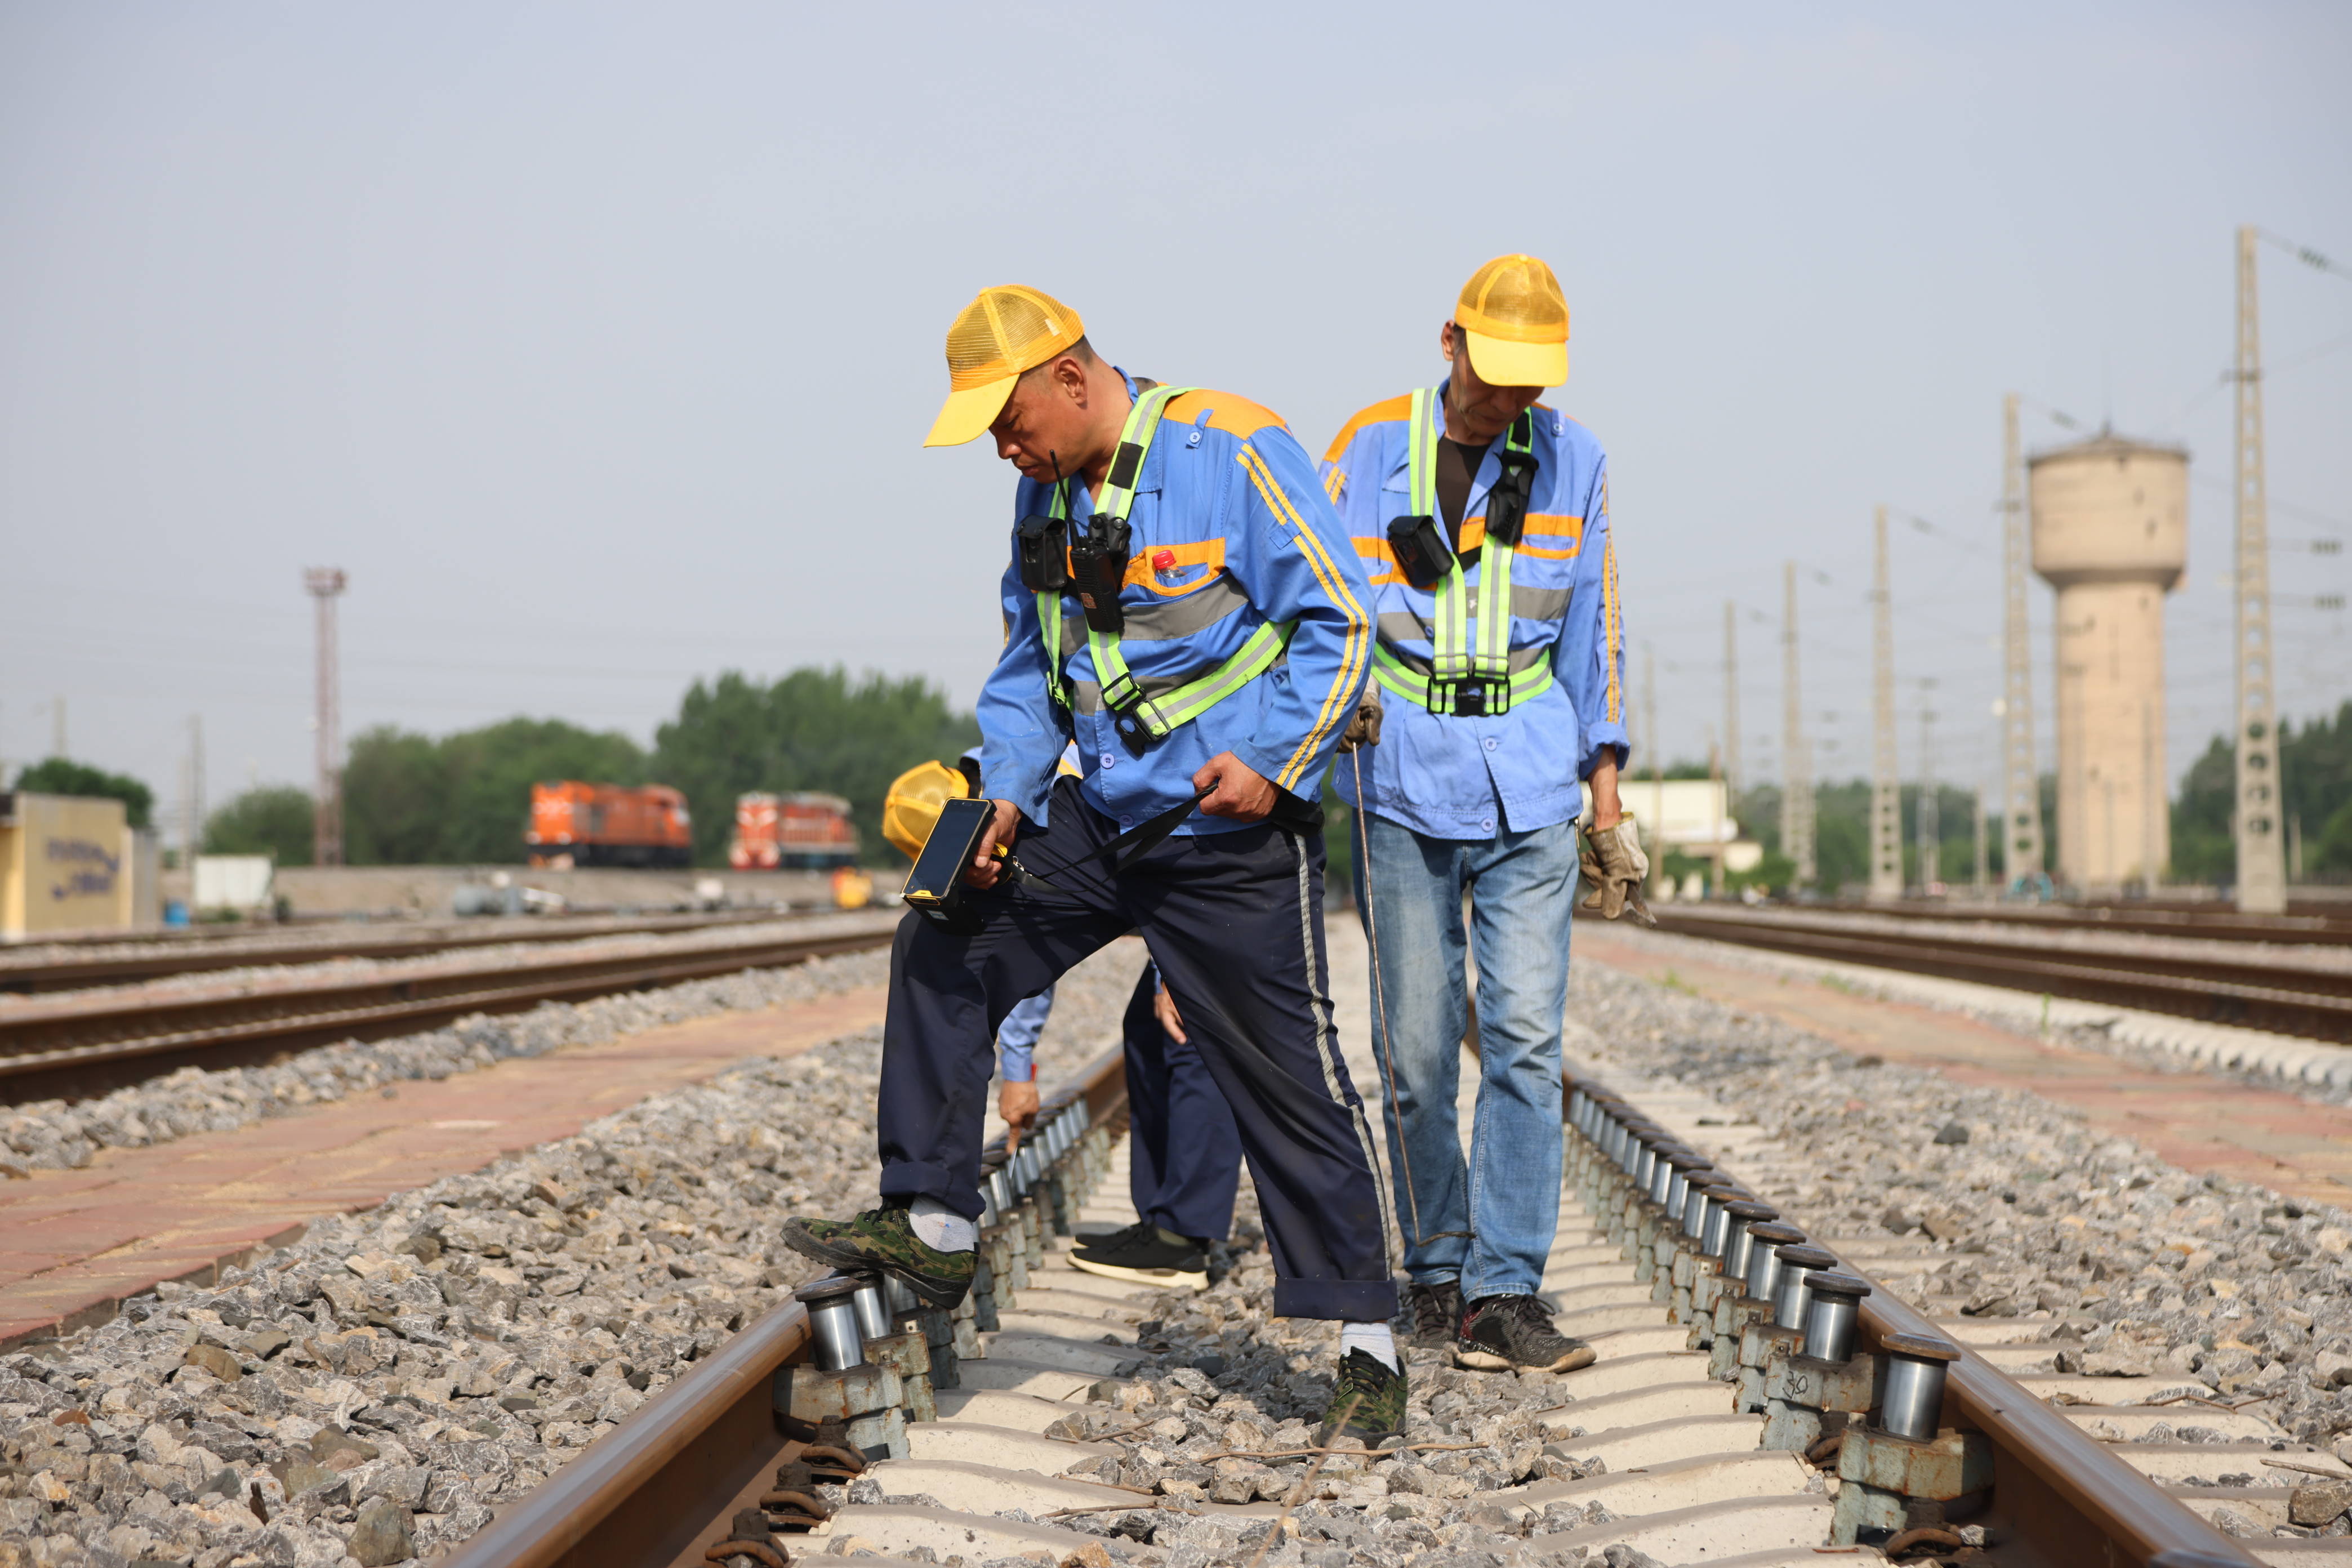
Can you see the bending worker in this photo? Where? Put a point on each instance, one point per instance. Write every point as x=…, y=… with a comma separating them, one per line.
x=1183, y=602
x=1485, y=517
x=1184, y=1158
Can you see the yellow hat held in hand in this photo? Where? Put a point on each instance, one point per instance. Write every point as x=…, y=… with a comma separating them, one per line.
x=1517, y=321
x=1002, y=333
x=912, y=807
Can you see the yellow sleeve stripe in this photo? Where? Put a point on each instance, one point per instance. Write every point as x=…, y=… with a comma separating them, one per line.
x=1352, y=651
x=1608, y=633
x=1334, y=482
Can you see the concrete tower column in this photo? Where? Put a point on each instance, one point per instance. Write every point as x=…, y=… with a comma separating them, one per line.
x=2110, y=522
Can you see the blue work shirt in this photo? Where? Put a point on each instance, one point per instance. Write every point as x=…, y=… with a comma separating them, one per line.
x=1017, y=1037
x=1470, y=777
x=1230, y=531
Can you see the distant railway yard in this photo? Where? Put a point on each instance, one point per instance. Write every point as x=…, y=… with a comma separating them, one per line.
x=379, y=1241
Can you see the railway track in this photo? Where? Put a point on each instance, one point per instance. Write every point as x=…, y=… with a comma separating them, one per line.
x=121, y=962
x=2062, y=1469
x=88, y=1045
x=2204, y=925
x=2313, y=1002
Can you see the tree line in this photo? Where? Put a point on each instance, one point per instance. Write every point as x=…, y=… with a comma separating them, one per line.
x=415, y=799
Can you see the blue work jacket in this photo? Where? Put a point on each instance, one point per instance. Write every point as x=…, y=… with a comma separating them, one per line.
x=1471, y=777
x=1230, y=531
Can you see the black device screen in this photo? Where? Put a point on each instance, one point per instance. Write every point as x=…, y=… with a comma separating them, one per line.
x=949, y=847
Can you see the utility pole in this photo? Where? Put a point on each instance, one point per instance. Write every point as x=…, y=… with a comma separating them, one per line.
x=2261, y=868
x=1720, y=788
x=326, y=584
x=57, y=726
x=1796, y=756
x=1979, y=883
x=1730, y=701
x=1886, y=783
x=2021, y=799
x=192, y=836
x=1928, y=816
x=1658, y=878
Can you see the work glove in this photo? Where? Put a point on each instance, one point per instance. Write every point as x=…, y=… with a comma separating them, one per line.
x=1616, y=869
x=1364, y=729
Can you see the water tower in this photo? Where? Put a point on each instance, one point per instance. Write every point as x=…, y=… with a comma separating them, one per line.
x=2111, y=534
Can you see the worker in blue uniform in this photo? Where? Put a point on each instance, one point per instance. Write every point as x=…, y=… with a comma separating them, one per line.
x=1184, y=1156
x=1181, y=602
x=1482, y=517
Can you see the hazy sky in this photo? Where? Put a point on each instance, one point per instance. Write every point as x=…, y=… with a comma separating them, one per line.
x=597, y=343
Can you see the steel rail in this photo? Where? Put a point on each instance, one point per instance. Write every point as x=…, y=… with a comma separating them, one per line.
x=2220, y=925
x=2069, y=1500
x=70, y=1047
x=2313, y=1002
x=639, y=1495
x=263, y=949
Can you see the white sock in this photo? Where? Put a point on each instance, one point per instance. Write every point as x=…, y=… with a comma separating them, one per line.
x=1373, y=1339
x=941, y=1228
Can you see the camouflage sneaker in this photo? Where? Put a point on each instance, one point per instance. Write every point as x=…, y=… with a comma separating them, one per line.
x=884, y=1238
x=1367, y=1403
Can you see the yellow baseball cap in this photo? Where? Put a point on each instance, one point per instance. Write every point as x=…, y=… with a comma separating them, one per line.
x=1517, y=321
x=1004, y=332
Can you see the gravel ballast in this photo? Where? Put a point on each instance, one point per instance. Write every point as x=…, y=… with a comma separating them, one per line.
x=57, y=1134
x=369, y=1392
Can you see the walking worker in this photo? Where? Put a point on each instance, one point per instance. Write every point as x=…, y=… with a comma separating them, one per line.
x=1185, y=1154
x=1484, y=519
x=1183, y=602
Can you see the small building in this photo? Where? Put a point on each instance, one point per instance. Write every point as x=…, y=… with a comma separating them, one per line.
x=73, y=863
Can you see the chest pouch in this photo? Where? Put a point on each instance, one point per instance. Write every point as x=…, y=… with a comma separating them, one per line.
x=1420, y=549
x=1098, y=570
x=1040, y=543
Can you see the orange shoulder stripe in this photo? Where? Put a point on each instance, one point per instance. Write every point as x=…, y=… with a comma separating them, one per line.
x=1226, y=412
x=1397, y=407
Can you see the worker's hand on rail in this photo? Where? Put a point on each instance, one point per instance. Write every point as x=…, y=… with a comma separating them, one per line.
x=1163, y=1007
x=1235, y=789
x=1615, y=869
x=985, y=867
x=1017, y=1103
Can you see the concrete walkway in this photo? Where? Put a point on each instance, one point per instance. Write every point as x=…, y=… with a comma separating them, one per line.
x=75, y=1244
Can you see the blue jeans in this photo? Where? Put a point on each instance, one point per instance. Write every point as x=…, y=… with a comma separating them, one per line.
x=1488, y=1222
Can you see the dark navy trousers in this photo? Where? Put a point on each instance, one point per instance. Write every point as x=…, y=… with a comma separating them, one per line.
x=1236, y=922
x=1185, y=1154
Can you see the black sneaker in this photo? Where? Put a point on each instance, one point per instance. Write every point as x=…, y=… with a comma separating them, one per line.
x=1154, y=1257
x=1112, y=1241
x=1433, y=1314
x=1367, y=1402
x=1514, y=1334
x=884, y=1238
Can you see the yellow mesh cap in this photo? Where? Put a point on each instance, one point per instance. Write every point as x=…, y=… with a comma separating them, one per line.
x=1002, y=332
x=911, y=809
x=1517, y=321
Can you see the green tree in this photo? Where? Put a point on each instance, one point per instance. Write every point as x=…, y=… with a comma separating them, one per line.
x=59, y=775
x=275, y=820
x=2315, y=793
x=810, y=730
x=411, y=800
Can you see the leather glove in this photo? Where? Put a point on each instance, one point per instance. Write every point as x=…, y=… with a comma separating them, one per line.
x=1364, y=729
x=1616, y=869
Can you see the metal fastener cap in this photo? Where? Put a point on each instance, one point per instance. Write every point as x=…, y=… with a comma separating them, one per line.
x=1919, y=1347
x=1805, y=1258
x=833, y=1286
x=1780, y=1236
x=1830, y=1284
x=1750, y=1213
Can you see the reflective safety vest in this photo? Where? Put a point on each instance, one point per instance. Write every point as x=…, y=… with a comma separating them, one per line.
x=1143, y=711
x=1475, y=671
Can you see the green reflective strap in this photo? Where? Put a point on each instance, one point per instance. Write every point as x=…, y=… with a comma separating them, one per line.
x=1412, y=683
x=1049, y=619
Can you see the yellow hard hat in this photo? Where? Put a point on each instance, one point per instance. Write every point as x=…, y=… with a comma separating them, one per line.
x=912, y=807
x=1517, y=321
x=1004, y=333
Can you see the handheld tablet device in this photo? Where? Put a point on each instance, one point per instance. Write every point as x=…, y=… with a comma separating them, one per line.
x=935, y=887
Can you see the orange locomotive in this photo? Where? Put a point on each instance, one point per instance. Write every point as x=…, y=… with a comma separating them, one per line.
x=575, y=824
x=806, y=831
